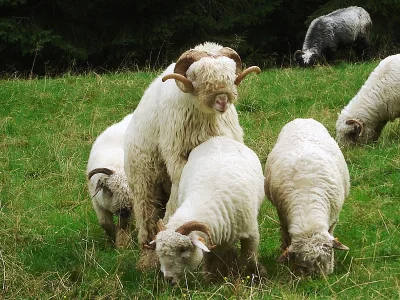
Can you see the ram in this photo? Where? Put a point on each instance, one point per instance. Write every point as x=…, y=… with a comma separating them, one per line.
x=220, y=193
x=107, y=183
x=375, y=104
x=344, y=27
x=307, y=180
x=191, y=101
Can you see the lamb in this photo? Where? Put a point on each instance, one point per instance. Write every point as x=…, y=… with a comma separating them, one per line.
x=220, y=193
x=107, y=183
x=376, y=103
x=307, y=180
x=343, y=27
x=172, y=118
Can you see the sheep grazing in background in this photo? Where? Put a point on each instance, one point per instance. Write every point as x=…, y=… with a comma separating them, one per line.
x=376, y=103
x=343, y=27
x=172, y=118
x=220, y=193
x=107, y=183
x=307, y=180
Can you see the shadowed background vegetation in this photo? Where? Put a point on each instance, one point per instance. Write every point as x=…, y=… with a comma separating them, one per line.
x=49, y=37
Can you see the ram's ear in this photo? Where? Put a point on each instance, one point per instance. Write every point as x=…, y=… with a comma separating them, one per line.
x=99, y=186
x=199, y=242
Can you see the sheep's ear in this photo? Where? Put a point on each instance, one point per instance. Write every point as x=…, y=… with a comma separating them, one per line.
x=99, y=186
x=338, y=245
x=200, y=243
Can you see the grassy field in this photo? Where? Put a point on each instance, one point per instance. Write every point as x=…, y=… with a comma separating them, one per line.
x=52, y=247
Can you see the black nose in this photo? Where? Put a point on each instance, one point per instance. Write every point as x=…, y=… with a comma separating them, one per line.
x=170, y=280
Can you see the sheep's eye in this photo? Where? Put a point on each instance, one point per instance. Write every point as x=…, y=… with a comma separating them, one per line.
x=182, y=249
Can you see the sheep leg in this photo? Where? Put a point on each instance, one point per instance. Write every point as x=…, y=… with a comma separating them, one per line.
x=105, y=220
x=122, y=237
x=285, y=239
x=174, y=167
x=172, y=204
x=248, y=255
x=284, y=233
x=147, y=213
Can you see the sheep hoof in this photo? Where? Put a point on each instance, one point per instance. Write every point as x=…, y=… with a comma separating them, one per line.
x=147, y=261
x=122, y=239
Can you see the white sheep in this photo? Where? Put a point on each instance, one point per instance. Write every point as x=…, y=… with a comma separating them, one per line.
x=220, y=193
x=172, y=118
x=307, y=180
x=376, y=103
x=343, y=27
x=108, y=187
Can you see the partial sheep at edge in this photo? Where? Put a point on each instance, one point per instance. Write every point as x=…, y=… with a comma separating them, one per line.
x=107, y=183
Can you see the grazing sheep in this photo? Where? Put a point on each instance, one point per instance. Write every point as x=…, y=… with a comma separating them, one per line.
x=220, y=193
x=107, y=182
x=307, y=180
x=376, y=103
x=172, y=118
x=343, y=27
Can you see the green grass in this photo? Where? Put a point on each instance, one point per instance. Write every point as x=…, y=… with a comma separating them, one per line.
x=52, y=246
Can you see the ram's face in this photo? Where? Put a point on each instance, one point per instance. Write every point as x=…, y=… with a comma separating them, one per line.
x=213, y=81
x=308, y=261
x=177, y=258
x=355, y=131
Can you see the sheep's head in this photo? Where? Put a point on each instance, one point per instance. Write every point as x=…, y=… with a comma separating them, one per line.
x=115, y=189
x=351, y=131
x=211, y=76
x=180, y=250
x=312, y=255
x=305, y=58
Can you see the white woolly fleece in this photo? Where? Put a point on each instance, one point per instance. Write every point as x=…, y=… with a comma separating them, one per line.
x=376, y=103
x=108, y=152
x=222, y=187
x=307, y=180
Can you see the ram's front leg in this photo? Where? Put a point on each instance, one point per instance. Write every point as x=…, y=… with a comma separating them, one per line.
x=174, y=167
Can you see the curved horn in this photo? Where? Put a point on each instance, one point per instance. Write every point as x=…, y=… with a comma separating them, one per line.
x=100, y=170
x=188, y=86
x=190, y=226
x=246, y=72
x=358, y=123
x=229, y=52
x=186, y=59
x=182, y=65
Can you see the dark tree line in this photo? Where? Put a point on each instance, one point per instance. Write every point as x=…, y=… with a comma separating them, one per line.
x=53, y=36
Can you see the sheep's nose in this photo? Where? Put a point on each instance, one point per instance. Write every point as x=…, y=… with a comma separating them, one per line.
x=170, y=280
